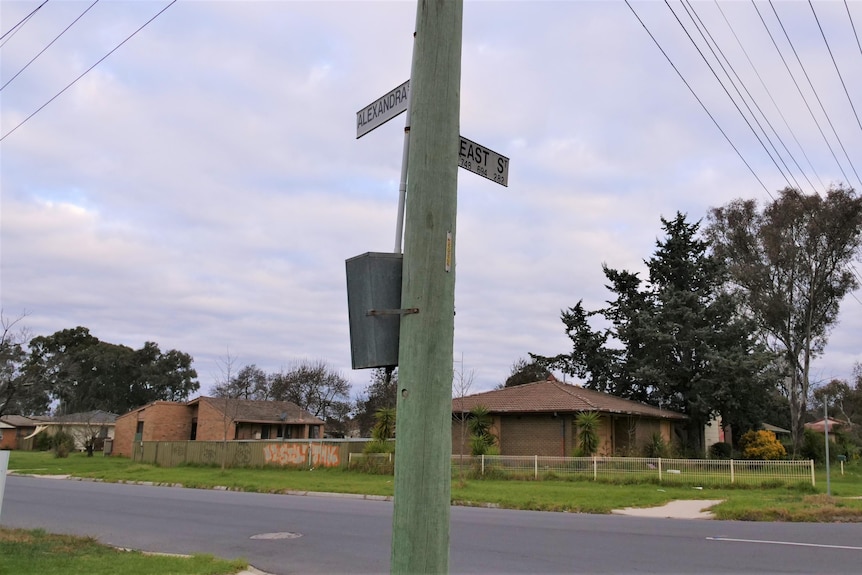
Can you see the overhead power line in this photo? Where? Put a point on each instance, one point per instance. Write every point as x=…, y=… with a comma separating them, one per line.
x=699, y=101
x=72, y=83
x=49, y=44
x=775, y=105
x=816, y=95
x=799, y=90
x=852, y=25
x=703, y=34
x=837, y=70
x=14, y=29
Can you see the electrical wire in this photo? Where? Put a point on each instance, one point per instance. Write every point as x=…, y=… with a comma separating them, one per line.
x=837, y=70
x=704, y=33
x=17, y=26
x=699, y=101
x=816, y=95
x=852, y=25
x=40, y=108
x=798, y=89
x=49, y=44
x=774, y=104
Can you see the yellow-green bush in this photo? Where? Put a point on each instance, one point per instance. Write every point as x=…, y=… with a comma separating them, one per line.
x=761, y=445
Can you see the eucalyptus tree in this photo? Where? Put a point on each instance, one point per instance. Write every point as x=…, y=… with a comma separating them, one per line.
x=791, y=263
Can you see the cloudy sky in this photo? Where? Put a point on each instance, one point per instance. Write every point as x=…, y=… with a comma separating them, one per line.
x=202, y=186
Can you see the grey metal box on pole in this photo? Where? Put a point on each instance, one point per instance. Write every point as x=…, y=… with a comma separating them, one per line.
x=374, y=302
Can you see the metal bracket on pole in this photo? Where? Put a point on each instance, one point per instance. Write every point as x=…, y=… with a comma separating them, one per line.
x=407, y=311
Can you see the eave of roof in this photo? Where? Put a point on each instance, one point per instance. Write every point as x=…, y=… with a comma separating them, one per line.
x=555, y=396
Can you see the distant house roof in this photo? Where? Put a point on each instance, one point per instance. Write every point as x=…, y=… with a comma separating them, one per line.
x=257, y=411
x=94, y=417
x=819, y=426
x=554, y=396
x=24, y=421
x=775, y=429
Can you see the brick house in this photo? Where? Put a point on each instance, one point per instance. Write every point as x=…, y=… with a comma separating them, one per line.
x=539, y=419
x=19, y=431
x=213, y=419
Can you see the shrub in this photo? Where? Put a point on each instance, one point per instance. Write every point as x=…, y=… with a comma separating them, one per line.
x=481, y=436
x=588, y=432
x=814, y=447
x=63, y=444
x=761, y=445
x=384, y=424
x=43, y=442
x=657, y=447
x=720, y=450
x=379, y=446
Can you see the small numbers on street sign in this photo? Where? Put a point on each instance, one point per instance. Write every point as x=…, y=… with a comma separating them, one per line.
x=483, y=161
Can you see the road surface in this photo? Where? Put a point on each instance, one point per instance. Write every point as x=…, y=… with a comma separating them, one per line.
x=346, y=535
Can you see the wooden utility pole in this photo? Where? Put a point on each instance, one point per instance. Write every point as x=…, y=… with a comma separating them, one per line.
x=420, y=527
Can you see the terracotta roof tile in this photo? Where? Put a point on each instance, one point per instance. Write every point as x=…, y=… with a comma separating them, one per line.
x=253, y=411
x=551, y=396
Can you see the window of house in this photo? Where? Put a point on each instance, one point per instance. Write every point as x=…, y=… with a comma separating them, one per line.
x=139, y=431
x=194, y=434
x=264, y=431
x=314, y=432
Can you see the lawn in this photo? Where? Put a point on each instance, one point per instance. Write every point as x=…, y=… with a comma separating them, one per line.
x=804, y=503
x=35, y=552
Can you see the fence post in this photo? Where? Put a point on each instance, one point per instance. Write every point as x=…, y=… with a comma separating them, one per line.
x=595, y=469
x=483, y=464
x=659, y=469
x=732, y=477
x=536, y=466
x=812, y=472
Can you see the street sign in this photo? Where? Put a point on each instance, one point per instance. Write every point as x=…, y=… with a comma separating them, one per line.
x=382, y=110
x=480, y=160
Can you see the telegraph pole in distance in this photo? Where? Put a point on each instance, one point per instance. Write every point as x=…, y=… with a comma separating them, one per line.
x=420, y=525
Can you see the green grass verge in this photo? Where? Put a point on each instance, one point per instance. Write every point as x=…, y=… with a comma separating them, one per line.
x=35, y=552
x=794, y=503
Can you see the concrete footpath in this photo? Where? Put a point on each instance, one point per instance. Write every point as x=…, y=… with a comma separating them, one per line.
x=683, y=509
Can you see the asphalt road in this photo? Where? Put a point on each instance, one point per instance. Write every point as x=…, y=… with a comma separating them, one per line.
x=344, y=535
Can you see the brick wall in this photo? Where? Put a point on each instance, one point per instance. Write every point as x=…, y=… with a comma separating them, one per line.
x=163, y=421
x=10, y=438
x=211, y=423
x=539, y=434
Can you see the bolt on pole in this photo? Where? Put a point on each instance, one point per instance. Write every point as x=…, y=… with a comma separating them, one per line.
x=420, y=525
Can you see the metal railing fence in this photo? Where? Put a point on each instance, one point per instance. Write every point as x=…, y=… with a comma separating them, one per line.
x=639, y=469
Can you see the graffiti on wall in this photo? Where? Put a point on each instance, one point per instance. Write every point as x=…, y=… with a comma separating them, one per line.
x=298, y=454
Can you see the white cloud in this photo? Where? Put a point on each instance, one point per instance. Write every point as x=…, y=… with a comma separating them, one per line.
x=202, y=187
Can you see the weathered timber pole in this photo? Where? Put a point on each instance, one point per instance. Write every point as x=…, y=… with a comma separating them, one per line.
x=420, y=526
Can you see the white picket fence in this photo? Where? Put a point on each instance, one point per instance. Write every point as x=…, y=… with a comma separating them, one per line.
x=688, y=471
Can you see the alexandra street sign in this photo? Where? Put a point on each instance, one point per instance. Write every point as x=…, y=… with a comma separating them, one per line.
x=382, y=110
x=471, y=156
x=480, y=160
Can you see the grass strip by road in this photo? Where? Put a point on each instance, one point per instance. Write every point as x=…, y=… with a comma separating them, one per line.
x=35, y=552
x=764, y=504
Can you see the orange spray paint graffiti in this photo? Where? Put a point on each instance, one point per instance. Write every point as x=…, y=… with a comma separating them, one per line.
x=297, y=454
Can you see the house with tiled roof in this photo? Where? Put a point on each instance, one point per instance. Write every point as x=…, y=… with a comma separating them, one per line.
x=18, y=431
x=87, y=428
x=539, y=419
x=214, y=419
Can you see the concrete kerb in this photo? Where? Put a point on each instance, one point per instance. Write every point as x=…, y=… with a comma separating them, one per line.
x=680, y=509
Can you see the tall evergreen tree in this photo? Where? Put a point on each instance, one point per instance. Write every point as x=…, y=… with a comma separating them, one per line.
x=678, y=341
